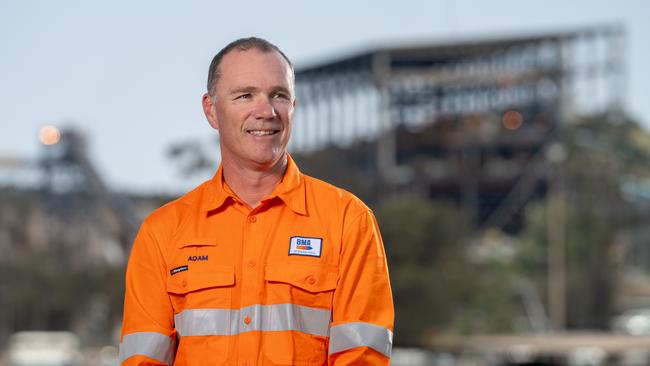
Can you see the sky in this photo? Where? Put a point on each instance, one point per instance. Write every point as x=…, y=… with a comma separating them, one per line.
x=130, y=74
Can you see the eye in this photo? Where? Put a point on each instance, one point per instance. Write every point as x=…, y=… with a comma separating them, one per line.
x=244, y=96
x=281, y=95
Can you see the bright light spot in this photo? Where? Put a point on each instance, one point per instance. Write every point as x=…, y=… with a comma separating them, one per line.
x=49, y=135
x=512, y=120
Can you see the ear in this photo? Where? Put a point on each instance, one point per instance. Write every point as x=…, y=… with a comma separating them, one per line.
x=210, y=111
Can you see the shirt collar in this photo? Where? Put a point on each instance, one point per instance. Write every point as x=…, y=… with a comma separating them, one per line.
x=291, y=190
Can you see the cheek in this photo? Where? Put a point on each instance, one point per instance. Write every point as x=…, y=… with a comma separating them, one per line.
x=233, y=114
x=286, y=112
x=282, y=106
x=233, y=121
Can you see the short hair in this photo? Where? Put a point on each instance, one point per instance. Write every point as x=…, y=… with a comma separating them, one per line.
x=242, y=44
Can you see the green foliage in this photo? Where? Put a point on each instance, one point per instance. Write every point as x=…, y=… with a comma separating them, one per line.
x=437, y=290
x=44, y=295
x=594, y=212
x=591, y=276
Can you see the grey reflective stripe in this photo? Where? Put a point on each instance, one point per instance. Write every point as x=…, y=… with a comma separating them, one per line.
x=202, y=322
x=351, y=335
x=151, y=344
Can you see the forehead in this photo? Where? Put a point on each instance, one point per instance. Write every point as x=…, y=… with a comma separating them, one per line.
x=254, y=66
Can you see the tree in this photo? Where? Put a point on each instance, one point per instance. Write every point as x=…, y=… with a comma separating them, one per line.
x=599, y=154
x=436, y=287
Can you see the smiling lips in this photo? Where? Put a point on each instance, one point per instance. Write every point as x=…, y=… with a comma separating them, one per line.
x=262, y=132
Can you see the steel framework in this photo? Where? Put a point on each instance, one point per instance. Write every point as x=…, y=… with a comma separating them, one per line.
x=470, y=119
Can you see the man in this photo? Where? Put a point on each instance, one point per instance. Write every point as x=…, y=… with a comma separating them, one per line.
x=261, y=265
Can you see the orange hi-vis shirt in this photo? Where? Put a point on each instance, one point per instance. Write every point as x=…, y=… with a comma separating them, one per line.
x=299, y=280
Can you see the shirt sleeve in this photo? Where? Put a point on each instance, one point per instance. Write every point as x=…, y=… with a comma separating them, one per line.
x=361, y=332
x=148, y=336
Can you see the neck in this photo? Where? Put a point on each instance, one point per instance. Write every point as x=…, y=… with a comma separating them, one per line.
x=251, y=184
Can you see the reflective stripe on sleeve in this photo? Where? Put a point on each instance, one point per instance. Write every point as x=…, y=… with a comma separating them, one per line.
x=151, y=344
x=351, y=335
x=279, y=317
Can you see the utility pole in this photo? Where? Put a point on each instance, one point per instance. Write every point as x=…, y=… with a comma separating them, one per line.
x=556, y=233
x=386, y=141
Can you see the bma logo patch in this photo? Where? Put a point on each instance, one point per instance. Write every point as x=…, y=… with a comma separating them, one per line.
x=195, y=258
x=300, y=245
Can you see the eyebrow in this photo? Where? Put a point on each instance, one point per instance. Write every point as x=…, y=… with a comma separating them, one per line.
x=281, y=89
x=244, y=89
x=251, y=89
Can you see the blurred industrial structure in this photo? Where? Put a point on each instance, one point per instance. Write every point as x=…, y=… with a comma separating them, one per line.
x=64, y=238
x=72, y=185
x=473, y=119
x=73, y=201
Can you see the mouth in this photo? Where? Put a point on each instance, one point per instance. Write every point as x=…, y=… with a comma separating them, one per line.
x=260, y=133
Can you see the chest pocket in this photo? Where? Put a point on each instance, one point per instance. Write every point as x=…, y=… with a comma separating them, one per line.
x=310, y=278
x=201, y=286
x=200, y=277
x=194, y=280
x=306, y=286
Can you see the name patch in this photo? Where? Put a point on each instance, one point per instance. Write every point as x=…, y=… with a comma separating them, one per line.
x=194, y=258
x=178, y=269
x=300, y=245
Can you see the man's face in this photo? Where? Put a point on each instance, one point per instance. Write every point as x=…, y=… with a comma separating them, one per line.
x=253, y=109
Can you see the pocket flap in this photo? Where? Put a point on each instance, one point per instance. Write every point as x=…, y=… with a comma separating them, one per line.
x=200, y=277
x=310, y=278
x=196, y=241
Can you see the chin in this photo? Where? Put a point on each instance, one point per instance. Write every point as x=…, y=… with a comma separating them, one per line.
x=268, y=158
x=263, y=159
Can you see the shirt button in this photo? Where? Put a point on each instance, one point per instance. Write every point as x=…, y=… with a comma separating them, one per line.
x=251, y=263
x=252, y=219
x=247, y=320
x=311, y=280
x=184, y=283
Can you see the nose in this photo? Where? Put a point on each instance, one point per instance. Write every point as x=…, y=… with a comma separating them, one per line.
x=265, y=110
